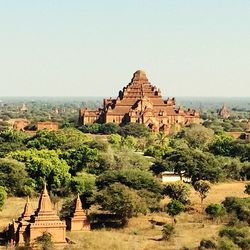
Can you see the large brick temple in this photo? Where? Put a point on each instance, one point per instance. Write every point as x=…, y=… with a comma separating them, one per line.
x=141, y=102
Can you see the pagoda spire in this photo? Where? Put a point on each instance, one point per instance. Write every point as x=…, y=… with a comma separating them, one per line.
x=27, y=212
x=44, y=202
x=78, y=206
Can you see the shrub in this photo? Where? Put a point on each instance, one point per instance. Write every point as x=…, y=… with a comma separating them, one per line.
x=175, y=207
x=3, y=196
x=208, y=244
x=239, y=206
x=45, y=241
x=167, y=231
x=178, y=191
x=215, y=210
x=247, y=188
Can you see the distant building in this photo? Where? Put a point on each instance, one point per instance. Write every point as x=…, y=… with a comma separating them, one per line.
x=19, y=123
x=141, y=102
x=170, y=176
x=224, y=112
x=23, y=108
x=51, y=126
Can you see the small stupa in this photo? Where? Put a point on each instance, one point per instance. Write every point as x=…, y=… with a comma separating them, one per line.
x=79, y=220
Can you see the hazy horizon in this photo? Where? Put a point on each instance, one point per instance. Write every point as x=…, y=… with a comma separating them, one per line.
x=90, y=48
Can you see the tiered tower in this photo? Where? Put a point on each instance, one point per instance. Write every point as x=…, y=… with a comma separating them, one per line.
x=46, y=220
x=79, y=219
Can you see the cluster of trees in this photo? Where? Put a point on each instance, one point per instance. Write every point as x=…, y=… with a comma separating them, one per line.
x=200, y=154
x=112, y=172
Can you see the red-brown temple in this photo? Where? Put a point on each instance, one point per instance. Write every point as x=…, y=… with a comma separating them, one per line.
x=141, y=102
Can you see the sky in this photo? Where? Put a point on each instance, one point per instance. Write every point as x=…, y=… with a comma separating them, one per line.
x=93, y=47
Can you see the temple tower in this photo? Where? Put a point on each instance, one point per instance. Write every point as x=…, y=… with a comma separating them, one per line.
x=46, y=220
x=79, y=221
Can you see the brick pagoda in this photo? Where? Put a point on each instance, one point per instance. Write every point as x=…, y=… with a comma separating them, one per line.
x=79, y=221
x=31, y=225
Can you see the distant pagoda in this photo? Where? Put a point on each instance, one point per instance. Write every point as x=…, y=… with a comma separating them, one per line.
x=224, y=112
x=140, y=102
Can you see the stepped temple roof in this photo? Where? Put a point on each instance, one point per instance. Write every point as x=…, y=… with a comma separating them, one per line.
x=141, y=102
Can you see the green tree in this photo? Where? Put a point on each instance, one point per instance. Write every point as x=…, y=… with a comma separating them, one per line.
x=83, y=183
x=121, y=200
x=177, y=191
x=3, y=196
x=133, y=178
x=134, y=129
x=13, y=176
x=80, y=158
x=194, y=164
x=175, y=207
x=203, y=188
x=222, y=145
x=44, y=166
x=198, y=136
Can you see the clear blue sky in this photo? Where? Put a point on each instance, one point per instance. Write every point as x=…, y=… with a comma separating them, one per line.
x=92, y=47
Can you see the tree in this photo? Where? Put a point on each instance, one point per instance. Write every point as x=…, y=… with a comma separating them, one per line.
x=13, y=176
x=167, y=231
x=202, y=187
x=247, y=188
x=45, y=166
x=175, y=207
x=80, y=158
x=83, y=184
x=194, y=164
x=222, y=145
x=198, y=136
x=66, y=138
x=121, y=200
x=177, y=191
x=3, y=196
x=134, y=129
x=132, y=178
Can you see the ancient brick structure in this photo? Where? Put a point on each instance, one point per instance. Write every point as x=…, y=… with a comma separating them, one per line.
x=51, y=126
x=31, y=225
x=79, y=220
x=224, y=112
x=19, y=123
x=141, y=102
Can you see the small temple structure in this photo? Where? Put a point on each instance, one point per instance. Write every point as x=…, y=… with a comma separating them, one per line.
x=31, y=225
x=224, y=112
x=23, y=108
x=141, y=102
x=51, y=126
x=79, y=221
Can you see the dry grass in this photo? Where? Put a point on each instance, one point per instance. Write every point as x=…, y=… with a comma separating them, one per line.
x=140, y=234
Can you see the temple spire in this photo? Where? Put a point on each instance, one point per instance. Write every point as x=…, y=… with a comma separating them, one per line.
x=27, y=212
x=78, y=206
x=44, y=202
